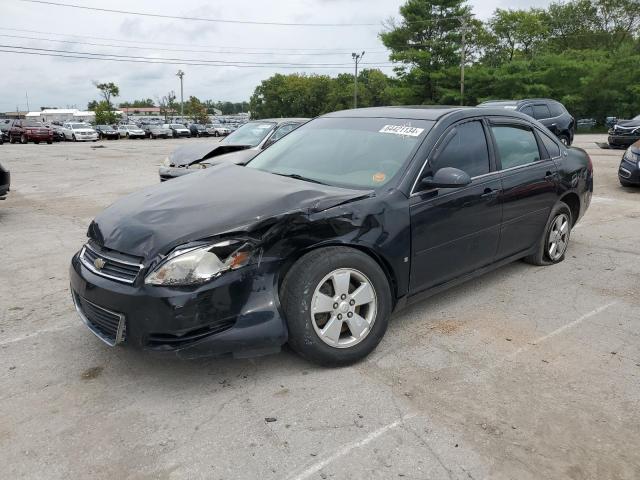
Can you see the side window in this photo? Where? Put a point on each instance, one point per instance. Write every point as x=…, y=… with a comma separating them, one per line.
x=516, y=145
x=552, y=147
x=540, y=112
x=556, y=109
x=466, y=150
x=528, y=110
x=282, y=131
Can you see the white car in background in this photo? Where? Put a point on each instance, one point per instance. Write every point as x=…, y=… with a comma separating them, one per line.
x=79, y=132
x=177, y=130
x=217, y=130
x=131, y=131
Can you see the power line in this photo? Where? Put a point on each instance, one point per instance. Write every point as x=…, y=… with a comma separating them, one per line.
x=104, y=57
x=186, y=60
x=133, y=47
x=335, y=50
x=234, y=21
x=201, y=19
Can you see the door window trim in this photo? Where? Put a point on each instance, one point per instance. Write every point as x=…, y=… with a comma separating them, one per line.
x=443, y=141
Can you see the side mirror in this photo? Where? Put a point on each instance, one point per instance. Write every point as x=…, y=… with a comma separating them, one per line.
x=447, y=177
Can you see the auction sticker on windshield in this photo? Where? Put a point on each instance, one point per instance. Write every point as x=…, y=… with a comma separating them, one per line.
x=404, y=130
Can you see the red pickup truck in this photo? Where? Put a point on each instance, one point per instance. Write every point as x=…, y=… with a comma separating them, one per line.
x=25, y=131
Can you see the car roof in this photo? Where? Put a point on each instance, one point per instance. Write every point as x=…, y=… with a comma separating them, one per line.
x=519, y=102
x=282, y=120
x=420, y=112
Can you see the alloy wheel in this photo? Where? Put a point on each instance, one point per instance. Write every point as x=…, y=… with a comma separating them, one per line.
x=343, y=308
x=558, y=237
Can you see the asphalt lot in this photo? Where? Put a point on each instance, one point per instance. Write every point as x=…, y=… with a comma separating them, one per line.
x=526, y=373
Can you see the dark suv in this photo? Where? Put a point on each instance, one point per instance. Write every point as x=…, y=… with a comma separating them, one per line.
x=26, y=131
x=550, y=113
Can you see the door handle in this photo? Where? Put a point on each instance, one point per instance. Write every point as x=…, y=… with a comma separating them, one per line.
x=489, y=193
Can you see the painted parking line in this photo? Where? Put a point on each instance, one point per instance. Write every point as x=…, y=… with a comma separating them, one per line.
x=345, y=449
x=35, y=334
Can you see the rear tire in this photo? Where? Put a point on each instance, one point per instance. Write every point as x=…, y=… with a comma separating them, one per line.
x=558, y=231
x=336, y=287
x=23, y=139
x=73, y=138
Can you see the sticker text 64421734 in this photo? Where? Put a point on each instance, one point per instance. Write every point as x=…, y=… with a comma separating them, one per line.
x=403, y=130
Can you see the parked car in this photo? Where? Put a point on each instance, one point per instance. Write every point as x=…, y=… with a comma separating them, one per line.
x=25, y=131
x=550, y=113
x=318, y=239
x=198, y=130
x=247, y=142
x=629, y=170
x=157, y=131
x=58, y=134
x=625, y=132
x=5, y=182
x=107, y=132
x=4, y=131
x=217, y=130
x=178, y=130
x=586, y=123
x=79, y=132
x=131, y=131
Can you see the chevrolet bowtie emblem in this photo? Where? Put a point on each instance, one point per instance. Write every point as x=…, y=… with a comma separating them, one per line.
x=99, y=263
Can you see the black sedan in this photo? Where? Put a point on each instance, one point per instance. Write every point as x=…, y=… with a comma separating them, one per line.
x=629, y=170
x=322, y=236
x=198, y=130
x=5, y=182
x=107, y=132
x=625, y=132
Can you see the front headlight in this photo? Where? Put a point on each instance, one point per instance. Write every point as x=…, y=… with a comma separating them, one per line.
x=193, y=266
x=197, y=166
x=632, y=156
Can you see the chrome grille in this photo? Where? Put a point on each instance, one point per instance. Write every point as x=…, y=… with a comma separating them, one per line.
x=110, y=266
x=108, y=326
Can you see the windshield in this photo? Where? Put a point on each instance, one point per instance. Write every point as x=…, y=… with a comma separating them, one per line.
x=350, y=152
x=251, y=133
x=636, y=118
x=104, y=127
x=33, y=123
x=78, y=125
x=175, y=125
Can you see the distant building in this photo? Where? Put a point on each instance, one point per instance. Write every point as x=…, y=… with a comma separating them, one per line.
x=141, y=111
x=61, y=115
x=13, y=115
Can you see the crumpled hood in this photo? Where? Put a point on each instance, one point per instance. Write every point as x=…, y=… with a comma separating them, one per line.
x=628, y=124
x=222, y=199
x=188, y=154
x=237, y=158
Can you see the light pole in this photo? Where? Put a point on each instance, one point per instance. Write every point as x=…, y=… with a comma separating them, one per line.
x=181, y=74
x=356, y=58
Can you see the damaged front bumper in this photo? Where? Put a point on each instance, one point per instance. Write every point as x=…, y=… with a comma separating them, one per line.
x=168, y=173
x=238, y=313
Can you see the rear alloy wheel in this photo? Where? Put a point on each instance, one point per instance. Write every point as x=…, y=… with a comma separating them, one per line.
x=555, y=241
x=337, y=303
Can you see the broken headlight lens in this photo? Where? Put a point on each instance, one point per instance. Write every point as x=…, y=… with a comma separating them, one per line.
x=193, y=266
x=632, y=156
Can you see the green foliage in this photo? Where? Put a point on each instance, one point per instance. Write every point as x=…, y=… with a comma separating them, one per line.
x=108, y=90
x=104, y=114
x=144, y=103
x=195, y=109
x=300, y=95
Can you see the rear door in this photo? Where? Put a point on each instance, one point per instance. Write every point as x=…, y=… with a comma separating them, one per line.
x=529, y=180
x=456, y=230
x=542, y=113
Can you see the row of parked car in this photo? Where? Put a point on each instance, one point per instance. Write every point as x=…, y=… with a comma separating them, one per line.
x=25, y=131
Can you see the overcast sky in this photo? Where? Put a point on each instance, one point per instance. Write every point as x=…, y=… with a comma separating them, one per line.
x=64, y=82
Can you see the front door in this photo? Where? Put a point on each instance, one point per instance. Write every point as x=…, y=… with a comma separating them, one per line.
x=456, y=231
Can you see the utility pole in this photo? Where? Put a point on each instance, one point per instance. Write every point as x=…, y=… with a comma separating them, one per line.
x=181, y=74
x=26, y=94
x=463, y=58
x=356, y=58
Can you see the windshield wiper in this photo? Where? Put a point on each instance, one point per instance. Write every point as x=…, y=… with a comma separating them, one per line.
x=300, y=177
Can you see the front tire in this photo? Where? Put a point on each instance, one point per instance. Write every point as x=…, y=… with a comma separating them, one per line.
x=554, y=243
x=337, y=303
x=24, y=139
x=565, y=140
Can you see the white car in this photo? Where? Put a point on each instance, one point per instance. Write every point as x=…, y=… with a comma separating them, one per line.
x=217, y=130
x=79, y=132
x=131, y=131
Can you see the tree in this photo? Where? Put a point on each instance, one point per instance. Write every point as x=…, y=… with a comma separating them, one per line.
x=195, y=109
x=104, y=114
x=144, y=103
x=108, y=90
x=167, y=105
x=426, y=42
